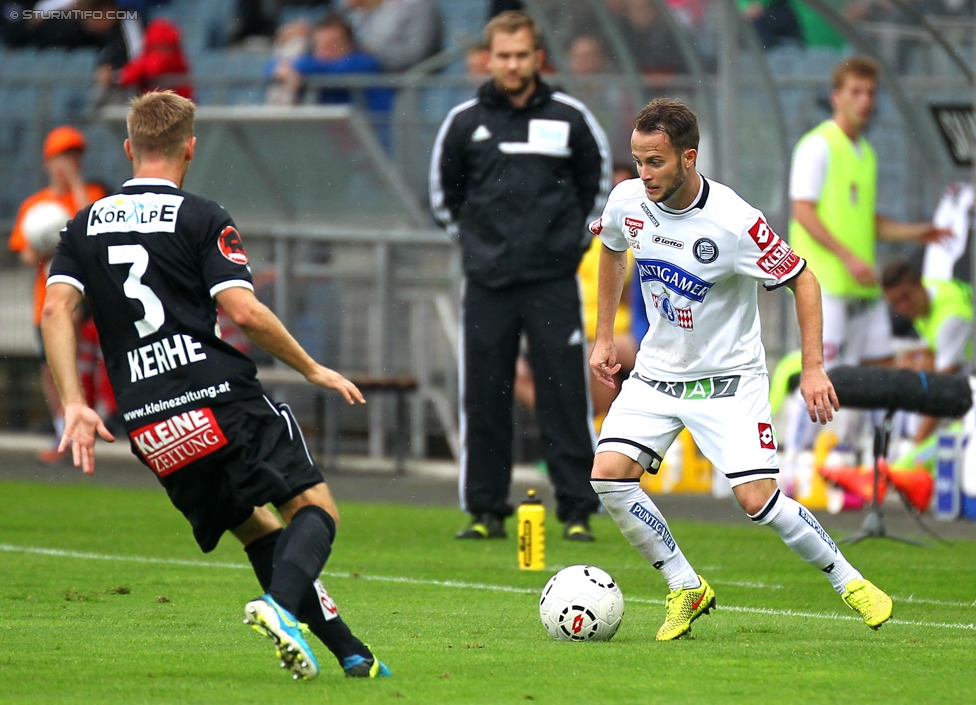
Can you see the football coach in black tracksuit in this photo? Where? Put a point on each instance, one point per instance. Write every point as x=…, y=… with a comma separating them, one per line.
x=514, y=174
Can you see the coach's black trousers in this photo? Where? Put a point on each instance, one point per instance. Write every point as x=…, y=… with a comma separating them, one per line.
x=492, y=321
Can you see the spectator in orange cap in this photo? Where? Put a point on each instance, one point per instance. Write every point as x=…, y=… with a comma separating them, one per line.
x=63, y=149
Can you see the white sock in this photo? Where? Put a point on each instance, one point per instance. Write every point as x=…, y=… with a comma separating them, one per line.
x=801, y=531
x=643, y=525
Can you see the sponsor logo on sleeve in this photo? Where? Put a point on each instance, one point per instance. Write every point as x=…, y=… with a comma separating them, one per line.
x=762, y=235
x=766, y=439
x=231, y=245
x=634, y=226
x=779, y=261
x=173, y=443
x=596, y=227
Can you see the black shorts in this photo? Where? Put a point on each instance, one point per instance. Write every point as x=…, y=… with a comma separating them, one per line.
x=219, y=463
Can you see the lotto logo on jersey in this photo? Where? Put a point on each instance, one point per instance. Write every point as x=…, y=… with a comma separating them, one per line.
x=596, y=227
x=763, y=235
x=231, y=245
x=779, y=261
x=177, y=441
x=766, y=439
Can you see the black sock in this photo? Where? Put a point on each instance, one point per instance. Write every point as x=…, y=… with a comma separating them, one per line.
x=300, y=554
x=318, y=611
x=261, y=555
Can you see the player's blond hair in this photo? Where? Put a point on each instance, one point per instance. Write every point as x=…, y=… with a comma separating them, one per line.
x=510, y=22
x=859, y=66
x=160, y=123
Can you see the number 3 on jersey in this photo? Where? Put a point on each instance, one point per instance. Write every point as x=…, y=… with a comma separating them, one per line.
x=133, y=287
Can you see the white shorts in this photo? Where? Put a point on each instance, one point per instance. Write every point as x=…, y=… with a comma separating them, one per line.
x=728, y=416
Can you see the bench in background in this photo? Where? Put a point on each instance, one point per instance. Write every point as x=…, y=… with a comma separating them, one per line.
x=327, y=401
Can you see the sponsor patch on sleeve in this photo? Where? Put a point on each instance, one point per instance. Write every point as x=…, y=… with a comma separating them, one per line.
x=763, y=235
x=231, y=245
x=173, y=443
x=779, y=261
x=596, y=227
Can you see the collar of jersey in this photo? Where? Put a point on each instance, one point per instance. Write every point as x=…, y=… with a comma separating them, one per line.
x=697, y=204
x=147, y=181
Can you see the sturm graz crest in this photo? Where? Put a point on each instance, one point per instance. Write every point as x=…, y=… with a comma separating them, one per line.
x=705, y=250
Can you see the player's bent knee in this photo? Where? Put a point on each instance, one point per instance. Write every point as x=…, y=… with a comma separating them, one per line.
x=261, y=523
x=753, y=496
x=610, y=465
x=318, y=495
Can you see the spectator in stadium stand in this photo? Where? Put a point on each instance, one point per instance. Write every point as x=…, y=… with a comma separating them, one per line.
x=120, y=40
x=702, y=251
x=162, y=63
x=835, y=225
x=400, y=33
x=115, y=39
x=514, y=174
x=262, y=20
x=333, y=52
x=63, y=150
x=195, y=412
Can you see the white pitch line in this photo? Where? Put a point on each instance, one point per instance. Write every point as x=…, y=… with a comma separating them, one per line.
x=477, y=586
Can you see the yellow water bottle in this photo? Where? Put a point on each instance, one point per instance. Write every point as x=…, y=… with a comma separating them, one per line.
x=532, y=533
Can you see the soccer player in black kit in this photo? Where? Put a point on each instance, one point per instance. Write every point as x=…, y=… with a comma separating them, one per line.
x=153, y=261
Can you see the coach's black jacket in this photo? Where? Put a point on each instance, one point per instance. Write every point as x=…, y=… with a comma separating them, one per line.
x=516, y=185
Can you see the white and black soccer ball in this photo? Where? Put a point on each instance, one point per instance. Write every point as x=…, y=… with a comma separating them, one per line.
x=42, y=224
x=581, y=603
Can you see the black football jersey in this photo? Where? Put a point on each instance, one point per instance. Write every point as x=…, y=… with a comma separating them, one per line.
x=150, y=260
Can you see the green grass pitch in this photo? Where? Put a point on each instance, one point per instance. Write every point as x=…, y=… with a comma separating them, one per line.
x=105, y=599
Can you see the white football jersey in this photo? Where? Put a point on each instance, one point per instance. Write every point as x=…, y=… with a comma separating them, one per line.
x=699, y=271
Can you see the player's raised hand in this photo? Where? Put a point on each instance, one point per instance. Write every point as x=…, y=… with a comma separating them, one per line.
x=81, y=423
x=330, y=379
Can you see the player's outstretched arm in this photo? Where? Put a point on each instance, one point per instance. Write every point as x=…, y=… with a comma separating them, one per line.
x=267, y=331
x=81, y=422
x=815, y=386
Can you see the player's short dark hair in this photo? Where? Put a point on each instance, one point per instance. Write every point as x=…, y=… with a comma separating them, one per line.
x=899, y=272
x=160, y=123
x=510, y=22
x=673, y=118
x=860, y=66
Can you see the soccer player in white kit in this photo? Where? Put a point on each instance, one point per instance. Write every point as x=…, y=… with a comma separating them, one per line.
x=701, y=252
